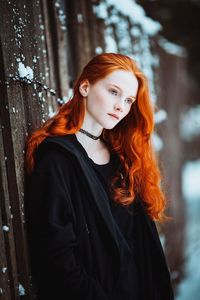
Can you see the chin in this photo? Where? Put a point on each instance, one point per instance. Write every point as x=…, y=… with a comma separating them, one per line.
x=109, y=126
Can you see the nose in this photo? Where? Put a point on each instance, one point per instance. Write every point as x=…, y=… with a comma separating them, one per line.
x=118, y=106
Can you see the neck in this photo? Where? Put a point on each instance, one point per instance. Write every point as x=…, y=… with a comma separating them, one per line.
x=87, y=142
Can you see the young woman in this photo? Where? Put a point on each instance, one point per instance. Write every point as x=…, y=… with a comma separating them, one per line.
x=93, y=191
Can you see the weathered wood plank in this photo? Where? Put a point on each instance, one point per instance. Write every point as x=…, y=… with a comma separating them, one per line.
x=21, y=110
x=7, y=269
x=31, y=68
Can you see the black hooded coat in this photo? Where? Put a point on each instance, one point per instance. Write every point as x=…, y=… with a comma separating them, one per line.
x=72, y=235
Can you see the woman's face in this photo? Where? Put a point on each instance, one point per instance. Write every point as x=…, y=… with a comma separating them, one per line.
x=112, y=95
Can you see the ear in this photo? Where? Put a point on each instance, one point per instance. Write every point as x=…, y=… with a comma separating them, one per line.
x=84, y=87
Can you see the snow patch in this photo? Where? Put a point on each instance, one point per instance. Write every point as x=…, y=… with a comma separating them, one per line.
x=80, y=18
x=157, y=142
x=101, y=11
x=4, y=270
x=51, y=112
x=111, y=45
x=189, y=287
x=191, y=180
x=98, y=50
x=137, y=14
x=190, y=123
x=21, y=290
x=5, y=228
x=160, y=116
x=25, y=72
x=172, y=48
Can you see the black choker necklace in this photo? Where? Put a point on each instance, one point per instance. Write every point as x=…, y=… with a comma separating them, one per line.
x=89, y=134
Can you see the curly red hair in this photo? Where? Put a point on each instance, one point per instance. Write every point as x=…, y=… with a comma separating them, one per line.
x=130, y=138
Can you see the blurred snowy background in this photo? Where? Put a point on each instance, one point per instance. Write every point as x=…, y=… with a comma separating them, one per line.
x=162, y=36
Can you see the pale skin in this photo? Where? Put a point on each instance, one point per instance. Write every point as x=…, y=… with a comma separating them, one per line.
x=114, y=94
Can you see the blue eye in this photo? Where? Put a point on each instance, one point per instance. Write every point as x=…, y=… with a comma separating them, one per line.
x=113, y=92
x=129, y=101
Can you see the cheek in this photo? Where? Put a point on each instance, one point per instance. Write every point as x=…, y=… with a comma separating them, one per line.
x=127, y=111
x=96, y=101
x=100, y=99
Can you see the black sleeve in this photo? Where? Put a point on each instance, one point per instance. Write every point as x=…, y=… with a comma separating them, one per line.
x=51, y=233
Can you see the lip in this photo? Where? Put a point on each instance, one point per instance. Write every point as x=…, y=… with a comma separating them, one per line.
x=115, y=116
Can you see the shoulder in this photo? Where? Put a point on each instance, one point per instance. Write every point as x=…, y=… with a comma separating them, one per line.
x=53, y=148
x=50, y=154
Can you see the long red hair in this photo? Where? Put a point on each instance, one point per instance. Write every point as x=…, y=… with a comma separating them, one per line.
x=130, y=138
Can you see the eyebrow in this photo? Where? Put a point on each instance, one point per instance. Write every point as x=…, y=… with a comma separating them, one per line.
x=121, y=89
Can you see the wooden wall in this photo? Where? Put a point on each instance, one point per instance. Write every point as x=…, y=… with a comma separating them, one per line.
x=33, y=43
